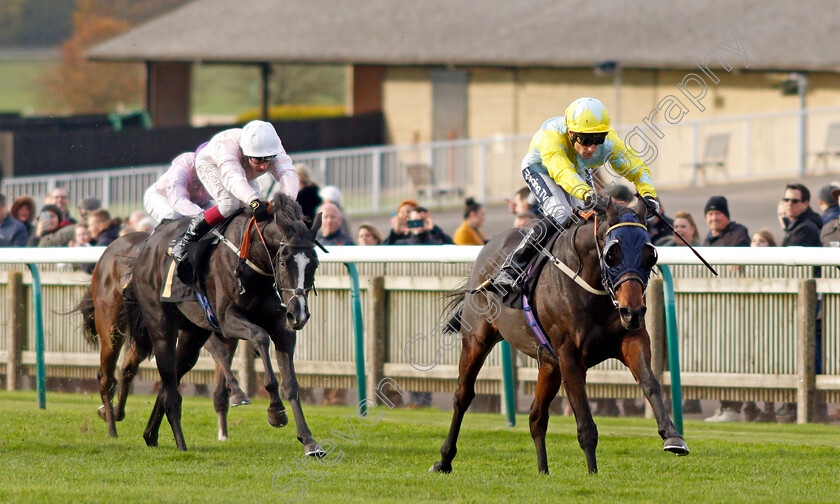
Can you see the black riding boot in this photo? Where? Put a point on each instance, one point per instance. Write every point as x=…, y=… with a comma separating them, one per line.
x=197, y=228
x=514, y=266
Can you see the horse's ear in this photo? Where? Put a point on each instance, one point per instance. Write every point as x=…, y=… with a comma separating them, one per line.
x=641, y=211
x=316, y=225
x=611, y=208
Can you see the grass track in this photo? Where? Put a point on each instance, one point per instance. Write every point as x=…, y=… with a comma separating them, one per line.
x=63, y=455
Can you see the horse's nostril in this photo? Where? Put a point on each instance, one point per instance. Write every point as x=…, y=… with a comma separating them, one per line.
x=624, y=312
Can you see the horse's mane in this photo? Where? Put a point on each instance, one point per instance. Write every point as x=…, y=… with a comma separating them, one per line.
x=289, y=214
x=604, y=221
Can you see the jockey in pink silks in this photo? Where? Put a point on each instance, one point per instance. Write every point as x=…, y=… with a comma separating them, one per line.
x=178, y=193
x=227, y=167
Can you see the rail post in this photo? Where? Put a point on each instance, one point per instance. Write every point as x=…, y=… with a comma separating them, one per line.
x=17, y=310
x=673, y=346
x=655, y=323
x=359, y=331
x=376, y=334
x=806, y=313
x=509, y=385
x=41, y=378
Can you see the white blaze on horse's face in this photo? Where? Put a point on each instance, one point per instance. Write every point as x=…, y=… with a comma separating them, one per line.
x=302, y=261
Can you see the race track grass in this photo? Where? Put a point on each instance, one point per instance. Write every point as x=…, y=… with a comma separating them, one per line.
x=63, y=455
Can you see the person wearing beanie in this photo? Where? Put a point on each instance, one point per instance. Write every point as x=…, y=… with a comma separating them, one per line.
x=830, y=233
x=722, y=231
x=827, y=200
x=49, y=222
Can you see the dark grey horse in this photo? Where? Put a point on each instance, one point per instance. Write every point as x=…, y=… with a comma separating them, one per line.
x=583, y=328
x=105, y=318
x=263, y=300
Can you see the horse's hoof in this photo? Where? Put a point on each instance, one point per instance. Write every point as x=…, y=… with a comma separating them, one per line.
x=101, y=412
x=278, y=418
x=675, y=445
x=438, y=467
x=313, y=449
x=119, y=416
x=151, y=441
x=239, y=399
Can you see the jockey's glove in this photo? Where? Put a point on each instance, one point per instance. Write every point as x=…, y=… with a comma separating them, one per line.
x=595, y=202
x=653, y=207
x=260, y=210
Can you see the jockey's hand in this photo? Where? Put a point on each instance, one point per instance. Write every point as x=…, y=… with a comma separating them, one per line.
x=260, y=210
x=596, y=202
x=653, y=207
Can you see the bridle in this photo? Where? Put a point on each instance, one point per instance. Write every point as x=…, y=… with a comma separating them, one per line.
x=244, y=251
x=613, y=277
x=279, y=289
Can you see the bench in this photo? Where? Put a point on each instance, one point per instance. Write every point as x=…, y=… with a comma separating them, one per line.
x=423, y=181
x=714, y=156
x=832, y=146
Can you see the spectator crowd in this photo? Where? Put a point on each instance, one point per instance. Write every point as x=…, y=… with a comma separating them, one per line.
x=58, y=222
x=55, y=224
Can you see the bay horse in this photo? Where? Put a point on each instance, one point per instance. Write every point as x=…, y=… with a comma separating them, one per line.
x=105, y=318
x=583, y=328
x=261, y=297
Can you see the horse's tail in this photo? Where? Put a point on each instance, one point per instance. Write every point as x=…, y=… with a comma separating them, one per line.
x=85, y=307
x=454, y=308
x=134, y=319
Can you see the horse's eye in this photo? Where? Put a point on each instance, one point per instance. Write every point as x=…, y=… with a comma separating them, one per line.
x=649, y=256
x=612, y=256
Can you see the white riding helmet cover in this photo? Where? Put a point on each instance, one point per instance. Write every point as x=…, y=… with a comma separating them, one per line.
x=259, y=139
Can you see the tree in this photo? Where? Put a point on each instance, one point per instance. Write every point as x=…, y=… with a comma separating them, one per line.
x=307, y=84
x=77, y=85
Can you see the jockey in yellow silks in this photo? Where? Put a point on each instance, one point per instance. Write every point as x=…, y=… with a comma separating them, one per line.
x=557, y=169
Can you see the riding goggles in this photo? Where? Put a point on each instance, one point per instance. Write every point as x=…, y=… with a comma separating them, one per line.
x=589, y=138
x=260, y=160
